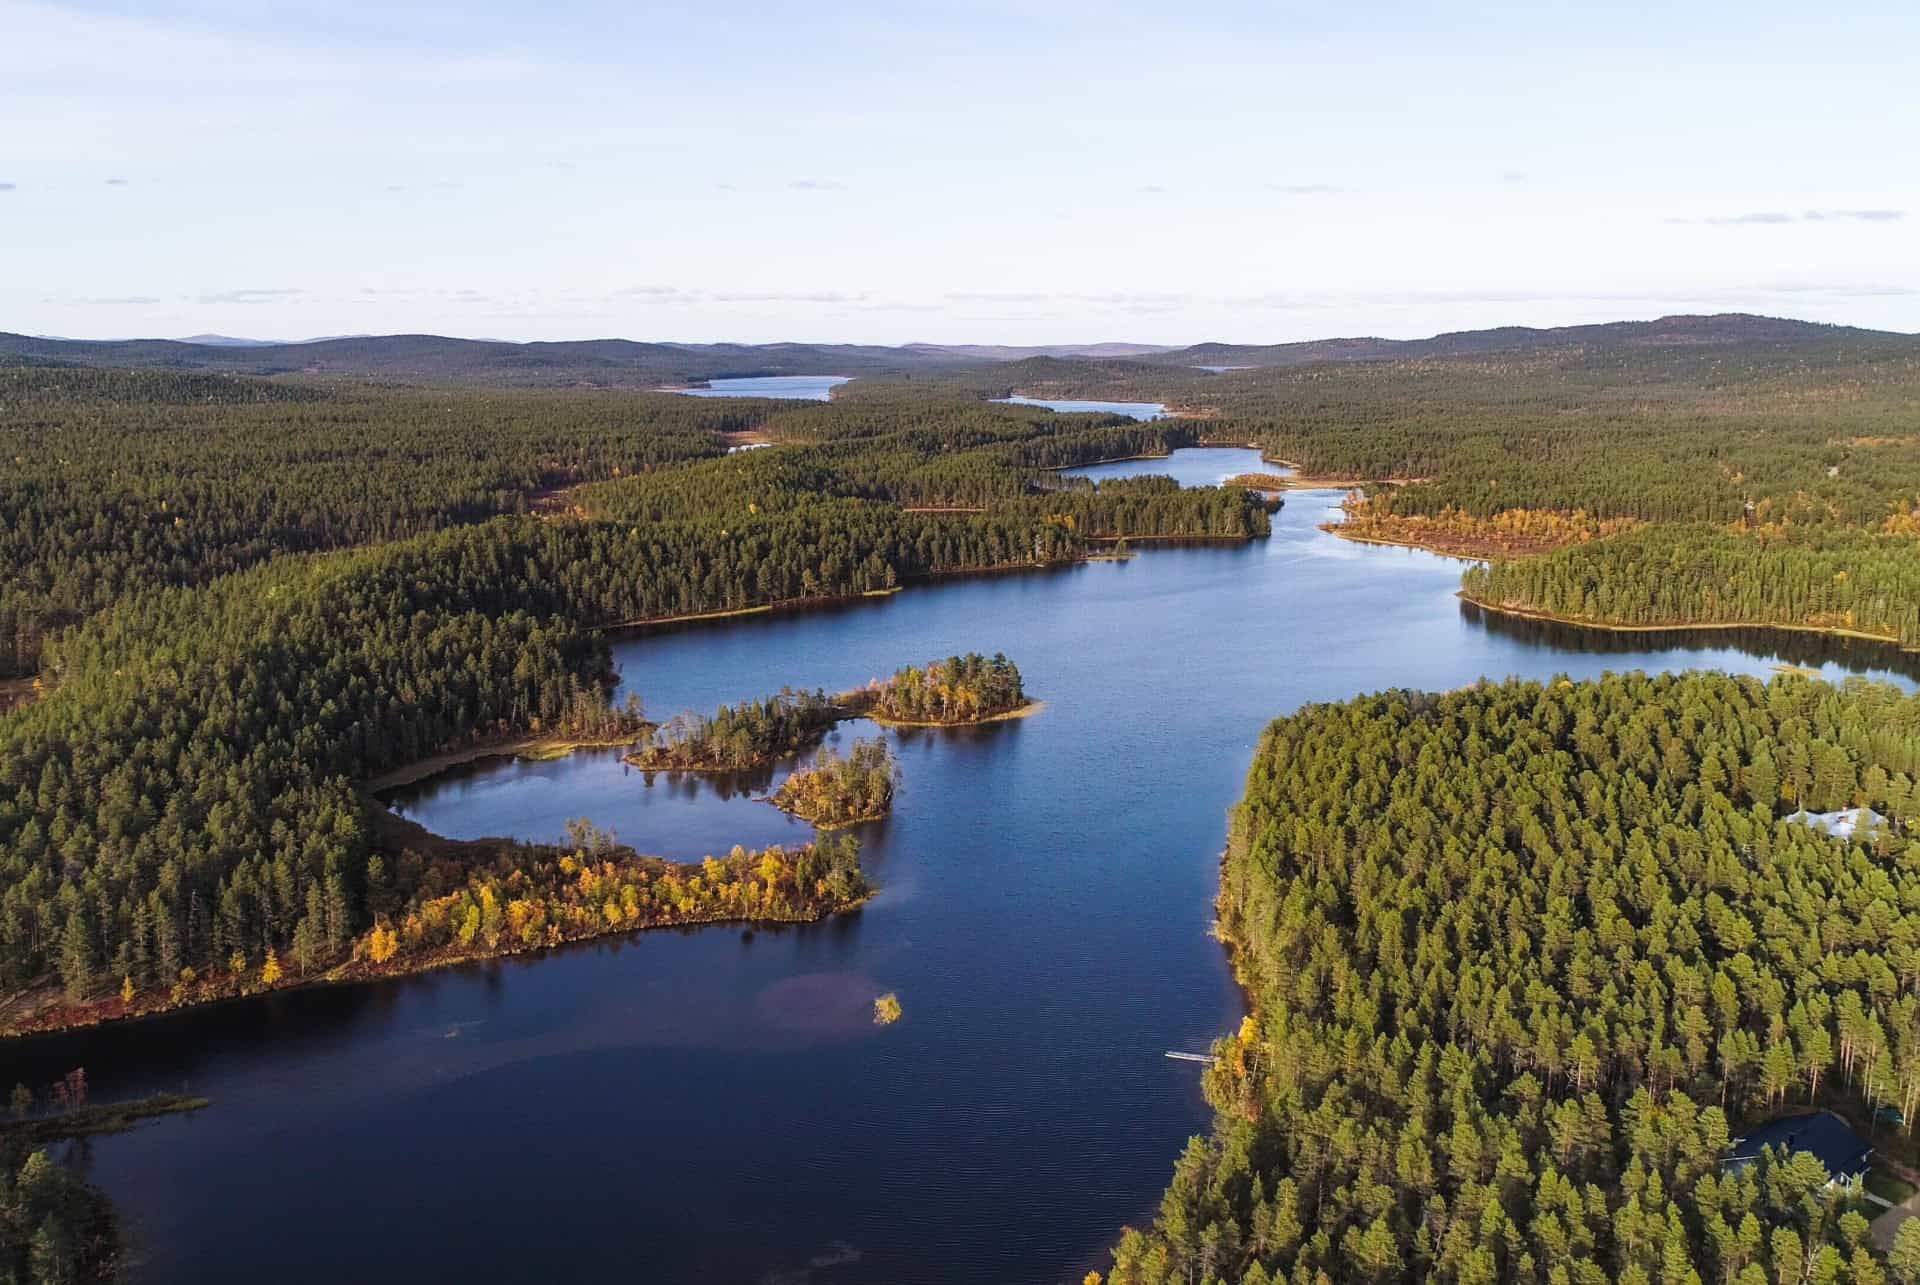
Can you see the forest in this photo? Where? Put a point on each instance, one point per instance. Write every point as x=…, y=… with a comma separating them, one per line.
x=54, y=1225
x=1512, y=444
x=241, y=599
x=960, y=689
x=1841, y=580
x=1524, y=958
x=839, y=790
x=1505, y=1015
x=738, y=737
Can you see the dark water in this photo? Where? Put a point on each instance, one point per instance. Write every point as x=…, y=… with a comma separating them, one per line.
x=1138, y=410
x=815, y=388
x=717, y=1105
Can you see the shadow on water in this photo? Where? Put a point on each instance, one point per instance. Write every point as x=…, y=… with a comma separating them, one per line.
x=1790, y=647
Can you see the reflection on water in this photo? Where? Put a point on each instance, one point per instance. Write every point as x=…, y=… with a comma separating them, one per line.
x=717, y=1105
x=1834, y=656
x=1134, y=410
x=1195, y=466
x=814, y=388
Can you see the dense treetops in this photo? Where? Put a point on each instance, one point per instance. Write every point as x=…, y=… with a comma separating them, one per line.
x=837, y=791
x=1857, y=581
x=534, y=897
x=119, y=482
x=959, y=689
x=54, y=1226
x=742, y=736
x=1524, y=958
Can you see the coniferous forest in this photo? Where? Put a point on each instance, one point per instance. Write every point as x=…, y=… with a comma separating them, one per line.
x=1524, y=959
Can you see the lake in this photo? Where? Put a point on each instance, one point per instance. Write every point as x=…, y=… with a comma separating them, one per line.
x=1193, y=466
x=1135, y=410
x=717, y=1105
x=813, y=388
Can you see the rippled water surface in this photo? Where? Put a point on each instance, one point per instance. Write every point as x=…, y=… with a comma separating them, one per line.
x=717, y=1105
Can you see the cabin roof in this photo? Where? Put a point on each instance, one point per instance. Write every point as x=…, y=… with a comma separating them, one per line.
x=1844, y=824
x=1822, y=1134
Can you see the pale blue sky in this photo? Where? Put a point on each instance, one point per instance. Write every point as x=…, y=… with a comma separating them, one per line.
x=983, y=171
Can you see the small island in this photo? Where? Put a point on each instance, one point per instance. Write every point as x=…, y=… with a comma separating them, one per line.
x=754, y=733
x=837, y=791
x=947, y=693
x=739, y=737
x=886, y=1009
x=1260, y=481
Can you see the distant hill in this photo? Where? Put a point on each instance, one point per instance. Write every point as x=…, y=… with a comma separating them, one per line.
x=626, y=363
x=1014, y=352
x=434, y=359
x=1722, y=328
x=227, y=341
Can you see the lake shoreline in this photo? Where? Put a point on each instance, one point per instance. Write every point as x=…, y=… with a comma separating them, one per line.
x=230, y=990
x=1339, y=529
x=1027, y=710
x=1723, y=626
x=533, y=747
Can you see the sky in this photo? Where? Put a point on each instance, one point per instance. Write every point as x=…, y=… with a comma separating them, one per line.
x=975, y=171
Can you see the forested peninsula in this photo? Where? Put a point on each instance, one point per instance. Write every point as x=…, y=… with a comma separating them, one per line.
x=1523, y=959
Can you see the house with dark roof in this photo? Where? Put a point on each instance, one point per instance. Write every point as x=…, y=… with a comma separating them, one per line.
x=1823, y=1135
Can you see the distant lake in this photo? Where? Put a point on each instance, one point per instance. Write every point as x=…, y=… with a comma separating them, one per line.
x=716, y=1106
x=809, y=388
x=1196, y=466
x=1138, y=410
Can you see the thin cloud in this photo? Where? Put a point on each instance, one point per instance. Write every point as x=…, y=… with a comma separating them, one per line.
x=1513, y=176
x=1864, y=216
x=7, y=187
x=1303, y=189
x=1154, y=188
x=658, y=294
x=1777, y=218
x=257, y=294
x=116, y=182
x=120, y=301
x=787, y=296
x=817, y=185
x=725, y=187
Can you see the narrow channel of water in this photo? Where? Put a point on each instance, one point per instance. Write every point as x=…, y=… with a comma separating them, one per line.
x=816, y=388
x=1137, y=410
x=716, y=1105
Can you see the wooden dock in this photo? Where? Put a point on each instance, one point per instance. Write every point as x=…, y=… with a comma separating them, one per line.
x=1205, y=1059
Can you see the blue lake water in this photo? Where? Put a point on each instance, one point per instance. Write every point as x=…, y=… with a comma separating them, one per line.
x=1137, y=410
x=817, y=388
x=717, y=1105
x=1195, y=466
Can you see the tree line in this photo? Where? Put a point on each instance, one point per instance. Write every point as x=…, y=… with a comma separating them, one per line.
x=1813, y=578
x=740, y=736
x=1524, y=958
